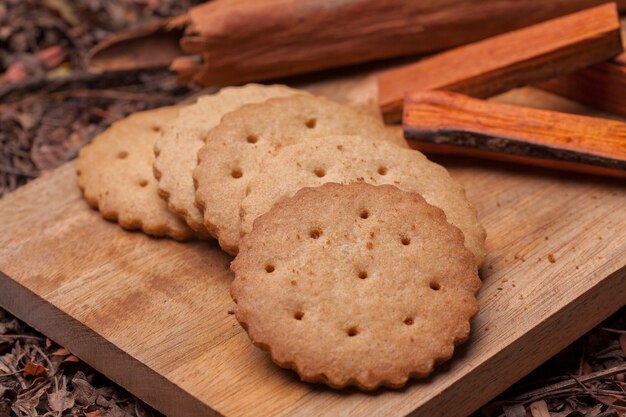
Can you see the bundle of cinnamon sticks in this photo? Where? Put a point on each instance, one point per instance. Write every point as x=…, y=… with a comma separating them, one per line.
x=439, y=113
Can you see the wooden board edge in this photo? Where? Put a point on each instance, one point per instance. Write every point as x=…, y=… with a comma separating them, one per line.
x=598, y=303
x=110, y=360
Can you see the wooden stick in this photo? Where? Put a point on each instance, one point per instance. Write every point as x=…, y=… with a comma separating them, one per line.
x=602, y=86
x=511, y=60
x=446, y=122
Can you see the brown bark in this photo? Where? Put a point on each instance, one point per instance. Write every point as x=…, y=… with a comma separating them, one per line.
x=245, y=40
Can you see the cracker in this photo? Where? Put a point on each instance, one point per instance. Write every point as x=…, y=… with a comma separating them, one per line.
x=246, y=137
x=355, y=285
x=347, y=159
x=115, y=175
x=177, y=149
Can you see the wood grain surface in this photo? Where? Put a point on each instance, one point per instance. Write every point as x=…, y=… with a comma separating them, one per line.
x=540, y=137
x=153, y=314
x=510, y=60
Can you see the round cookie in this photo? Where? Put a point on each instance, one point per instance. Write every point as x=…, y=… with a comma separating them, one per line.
x=115, y=175
x=346, y=159
x=235, y=149
x=355, y=285
x=177, y=149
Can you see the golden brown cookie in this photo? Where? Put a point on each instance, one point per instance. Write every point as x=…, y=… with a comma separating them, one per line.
x=235, y=149
x=115, y=175
x=355, y=285
x=177, y=149
x=346, y=159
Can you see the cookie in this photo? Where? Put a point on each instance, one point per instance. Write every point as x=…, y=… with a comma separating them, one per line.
x=115, y=175
x=246, y=137
x=177, y=149
x=346, y=159
x=355, y=285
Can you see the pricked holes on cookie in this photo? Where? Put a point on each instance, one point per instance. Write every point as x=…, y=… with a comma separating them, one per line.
x=251, y=138
x=362, y=274
x=298, y=315
x=269, y=268
x=236, y=173
x=406, y=241
x=364, y=214
x=408, y=321
x=122, y=155
x=315, y=233
x=320, y=172
x=382, y=170
x=143, y=183
x=352, y=331
x=311, y=123
x=156, y=128
x=434, y=285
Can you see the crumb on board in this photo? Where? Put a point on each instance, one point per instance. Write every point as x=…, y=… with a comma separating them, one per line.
x=551, y=258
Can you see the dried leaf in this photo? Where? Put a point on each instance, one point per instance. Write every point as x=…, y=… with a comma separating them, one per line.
x=30, y=401
x=14, y=74
x=96, y=413
x=116, y=411
x=34, y=369
x=52, y=57
x=60, y=400
x=539, y=409
x=71, y=358
x=103, y=402
x=64, y=9
x=84, y=393
x=622, y=342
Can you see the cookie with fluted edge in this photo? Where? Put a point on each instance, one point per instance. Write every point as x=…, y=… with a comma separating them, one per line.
x=346, y=159
x=115, y=175
x=245, y=138
x=355, y=285
x=176, y=150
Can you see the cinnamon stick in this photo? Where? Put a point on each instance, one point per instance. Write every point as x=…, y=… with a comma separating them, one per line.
x=602, y=86
x=445, y=122
x=514, y=59
x=245, y=40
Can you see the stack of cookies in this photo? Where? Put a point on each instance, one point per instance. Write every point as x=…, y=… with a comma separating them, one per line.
x=356, y=257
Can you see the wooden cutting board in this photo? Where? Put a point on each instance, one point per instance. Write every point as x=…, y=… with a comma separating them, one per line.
x=153, y=315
